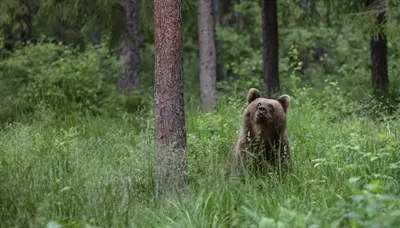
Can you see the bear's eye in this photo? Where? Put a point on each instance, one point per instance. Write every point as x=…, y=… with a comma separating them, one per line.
x=270, y=107
x=258, y=105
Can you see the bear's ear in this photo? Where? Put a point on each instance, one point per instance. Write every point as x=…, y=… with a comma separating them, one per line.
x=284, y=100
x=252, y=95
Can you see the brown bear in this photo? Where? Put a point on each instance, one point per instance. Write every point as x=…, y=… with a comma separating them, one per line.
x=263, y=134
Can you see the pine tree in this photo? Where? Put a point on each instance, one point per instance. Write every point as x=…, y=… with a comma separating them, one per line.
x=130, y=48
x=208, y=72
x=270, y=53
x=378, y=45
x=170, y=133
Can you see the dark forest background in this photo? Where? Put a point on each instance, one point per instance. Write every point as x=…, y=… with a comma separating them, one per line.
x=83, y=54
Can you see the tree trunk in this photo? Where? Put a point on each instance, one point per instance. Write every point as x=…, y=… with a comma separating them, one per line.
x=170, y=133
x=207, y=55
x=328, y=14
x=379, y=65
x=216, y=12
x=270, y=40
x=130, y=48
x=217, y=16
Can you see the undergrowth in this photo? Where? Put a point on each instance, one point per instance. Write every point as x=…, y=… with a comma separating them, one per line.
x=98, y=171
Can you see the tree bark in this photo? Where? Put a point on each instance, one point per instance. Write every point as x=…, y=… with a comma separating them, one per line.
x=170, y=132
x=217, y=16
x=207, y=55
x=379, y=65
x=270, y=53
x=130, y=48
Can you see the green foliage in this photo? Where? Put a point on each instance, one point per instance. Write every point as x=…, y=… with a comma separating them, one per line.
x=77, y=18
x=97, y=171
x=339, y=54
x=11, y=15
x=243, y=62
x=61, y=77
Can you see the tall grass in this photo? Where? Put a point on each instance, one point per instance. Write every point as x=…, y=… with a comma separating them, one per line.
x=99, y=172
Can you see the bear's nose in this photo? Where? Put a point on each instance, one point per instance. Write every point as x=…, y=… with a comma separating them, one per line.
x=262, y=109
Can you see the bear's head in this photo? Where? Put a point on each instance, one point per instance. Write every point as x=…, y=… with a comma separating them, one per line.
x=266, y=111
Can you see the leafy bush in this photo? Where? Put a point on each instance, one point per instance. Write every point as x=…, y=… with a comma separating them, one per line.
x=62, y=77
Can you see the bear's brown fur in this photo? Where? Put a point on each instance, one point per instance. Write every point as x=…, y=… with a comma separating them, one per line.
x=263, y=133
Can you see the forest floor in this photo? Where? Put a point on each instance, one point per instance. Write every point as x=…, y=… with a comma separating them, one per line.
x=98, y=171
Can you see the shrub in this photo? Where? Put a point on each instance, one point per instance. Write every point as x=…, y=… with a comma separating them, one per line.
x=60, y=76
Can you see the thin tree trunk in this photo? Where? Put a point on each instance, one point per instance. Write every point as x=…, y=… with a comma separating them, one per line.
x=207, y=55
x=170, y=133
x=130, y=48
x=328, y=13
x=379, y=65
x=217, y=16
x=239, y=19
x=270, y=40
x=216, y=12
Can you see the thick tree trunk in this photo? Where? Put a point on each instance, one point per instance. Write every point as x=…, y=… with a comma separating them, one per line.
x=379, y=65
x=130, y=48
x=170, y=133
x=270, y=40
x=207, y=55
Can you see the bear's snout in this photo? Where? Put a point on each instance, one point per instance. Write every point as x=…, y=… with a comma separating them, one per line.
x=261, y=111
